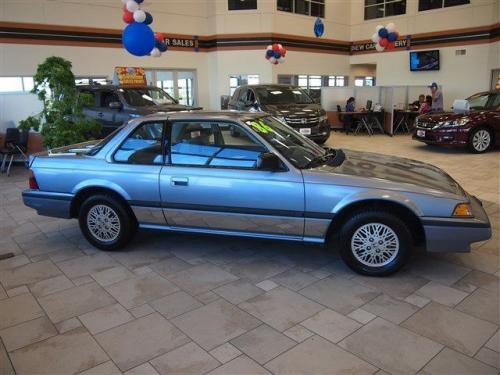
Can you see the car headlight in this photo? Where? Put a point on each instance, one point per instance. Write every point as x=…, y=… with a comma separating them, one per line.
x=463, y=210
x=323, y=118
x=453, y=123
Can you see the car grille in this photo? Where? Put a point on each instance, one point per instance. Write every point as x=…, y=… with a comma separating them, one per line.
x=304, y=122
x=425, y=125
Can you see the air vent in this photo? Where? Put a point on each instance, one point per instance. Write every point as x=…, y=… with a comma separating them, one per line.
x=460, y=52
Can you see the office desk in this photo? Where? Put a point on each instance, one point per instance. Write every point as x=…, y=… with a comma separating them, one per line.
x=368, y=119
x=404, y=119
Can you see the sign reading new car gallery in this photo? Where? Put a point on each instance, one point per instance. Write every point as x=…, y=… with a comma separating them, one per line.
x=370, y=46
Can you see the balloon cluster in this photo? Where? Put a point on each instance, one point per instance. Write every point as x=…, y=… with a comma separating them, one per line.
x=138, y=38
x=385, y=37
x=275, y=53
x=319, y=28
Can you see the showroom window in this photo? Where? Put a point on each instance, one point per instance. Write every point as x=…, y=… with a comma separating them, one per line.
x=180, y=84
x=237, y=80
x=384, y=8
x=91, y=80
x=337, y=81
x=242, y=4
x=315, y=8
x=16, y=84
x=143, y=146
x=364, y=81
x=312, y=81
x=438, y=4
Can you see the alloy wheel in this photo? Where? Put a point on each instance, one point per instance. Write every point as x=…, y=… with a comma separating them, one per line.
x=103, y=223
x=375, y=244
x=481, y=140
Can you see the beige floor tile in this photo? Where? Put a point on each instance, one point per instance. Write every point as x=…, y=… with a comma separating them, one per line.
x=105, y=318
x=140, y=340
x=450, y=327
x=215, y=323
x=238, y=291
x=144, y=369
x=142, y=289
x=331, y=325
x=14, y=262
x=488, y=356
x=404, y=353
x=111, y=275
x=202, y=278
x=75, y=301
x=240, y=366
x=142, y=310
x=281, y=308
x=257, y=270
x=444, y=273
x=390, y=308
x=263, y=343
x=441, y=293
x=170, y=265
x=141, y=255
x=207, y=297
x=225, y=353
x=18, y=309
x=298, y=333
x=5, y=364
x=478, y=279
x=482, y=304
x=318, y=356
x=188, y=359
x=68, y=353
x=175, y=304
x=28, y=274
x=452, y=362
x=106, y=368
x=494, y=342
x=398, y=287
x=68, y=325
x=52, y=285
x=294, y=279
x=27, y=333
x=341, y=295
x=86, y=265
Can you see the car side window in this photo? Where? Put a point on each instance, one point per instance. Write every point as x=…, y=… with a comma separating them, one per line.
x=143, y=145
x=243, y=96
x=495, y=102
x=251, y=96
x=216, y=145
x=108, y=97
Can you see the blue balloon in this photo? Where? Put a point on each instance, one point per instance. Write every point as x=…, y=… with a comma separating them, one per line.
x=277, y=54
x=319, y=28
x=149, y=19
x=383, y=32
x=270, y=53
x=161, y=46
x=392, y=37
x=138, y=39
x=139, y=1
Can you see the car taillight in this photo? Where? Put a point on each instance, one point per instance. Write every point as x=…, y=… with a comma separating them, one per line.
x=32, y=181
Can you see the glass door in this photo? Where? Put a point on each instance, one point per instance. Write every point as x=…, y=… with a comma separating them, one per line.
x=180, y=84
x=185, y=81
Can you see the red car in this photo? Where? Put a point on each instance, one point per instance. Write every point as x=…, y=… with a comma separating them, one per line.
x=477, y=129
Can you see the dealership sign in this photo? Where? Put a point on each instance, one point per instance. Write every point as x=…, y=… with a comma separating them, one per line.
x=182, y=42
x=370, y=46
x=130, y=76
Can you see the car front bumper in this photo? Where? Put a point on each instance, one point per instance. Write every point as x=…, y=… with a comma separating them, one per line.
x=456, y=234
x=445, y=136
x=48, y=203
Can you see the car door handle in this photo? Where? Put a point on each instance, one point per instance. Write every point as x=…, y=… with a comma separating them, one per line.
x=179, y=181
x=100, y=114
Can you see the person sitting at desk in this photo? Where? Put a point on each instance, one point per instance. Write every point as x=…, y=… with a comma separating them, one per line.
x=348, y=119
x=415, y=106
x=426, y=106
x=350, y=105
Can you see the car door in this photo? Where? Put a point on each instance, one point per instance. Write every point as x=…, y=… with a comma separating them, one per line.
x=211, y=183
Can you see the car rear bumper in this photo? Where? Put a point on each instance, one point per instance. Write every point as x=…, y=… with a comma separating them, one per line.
x=454, y=234
x=48, y=203
x=448, y=136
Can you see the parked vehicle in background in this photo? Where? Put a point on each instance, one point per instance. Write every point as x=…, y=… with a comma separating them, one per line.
x=186, y=172
x=115, y=105
x=477, y=129
x=290, y=104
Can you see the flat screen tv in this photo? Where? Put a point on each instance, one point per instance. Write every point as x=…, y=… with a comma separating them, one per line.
x=424, y=60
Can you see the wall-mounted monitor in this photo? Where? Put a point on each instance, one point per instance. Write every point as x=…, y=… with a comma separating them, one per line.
x=424, y=60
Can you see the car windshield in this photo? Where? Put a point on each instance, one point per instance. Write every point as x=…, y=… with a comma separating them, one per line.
x=478, y=101
x=146, y=96
x=282, y=95
x=296, y=148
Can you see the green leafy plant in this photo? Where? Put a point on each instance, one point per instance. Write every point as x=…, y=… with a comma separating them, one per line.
x=62, y=122
x=30, y=123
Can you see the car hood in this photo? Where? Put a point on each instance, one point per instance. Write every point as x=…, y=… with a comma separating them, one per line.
x=164, y=108
x=293, y=109
x=385, y=172
x=447, y=116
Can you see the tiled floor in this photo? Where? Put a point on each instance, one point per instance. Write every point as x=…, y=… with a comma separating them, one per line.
x=189, y=304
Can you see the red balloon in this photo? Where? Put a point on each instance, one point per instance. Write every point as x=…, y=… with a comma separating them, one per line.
x=391, y=45
x=383, y=42
x=282, y=51
x=276, y=47
x=160, y=36
x=128, y=17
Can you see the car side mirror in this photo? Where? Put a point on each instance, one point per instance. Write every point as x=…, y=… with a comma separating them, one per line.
x=268, y=161
x=115, y=105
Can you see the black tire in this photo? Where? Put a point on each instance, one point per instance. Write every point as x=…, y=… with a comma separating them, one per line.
x=127, y=224
x=480, y=147
x=375, y=217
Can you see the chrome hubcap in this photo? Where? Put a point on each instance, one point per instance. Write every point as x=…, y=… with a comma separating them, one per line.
x=375, y=245
x=103, y=223
x=481, y=140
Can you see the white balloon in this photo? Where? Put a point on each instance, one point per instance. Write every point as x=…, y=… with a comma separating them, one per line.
x=124, y=2
x=375, y=38
x=379, y=48
x=378, y=28
x=269, y=47
x=139, y=16
x=282, y=59
x=272, y=60
x=132, y=6
x=155, y=52
x=391, y=27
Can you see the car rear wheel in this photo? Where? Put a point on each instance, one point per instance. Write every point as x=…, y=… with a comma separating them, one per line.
x=105, y=222
x=480, y=140
x=375, y=243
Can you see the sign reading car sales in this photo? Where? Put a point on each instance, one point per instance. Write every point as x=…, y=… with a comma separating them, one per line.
x=183, y=43
x=370, y=46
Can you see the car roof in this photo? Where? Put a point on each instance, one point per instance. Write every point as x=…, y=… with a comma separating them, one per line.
x=98, y=87
x=270, y=85
x=487, y=92
x=205, y=115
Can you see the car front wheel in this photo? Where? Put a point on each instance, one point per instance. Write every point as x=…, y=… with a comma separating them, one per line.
x=375, y=243
x=480, y=140
x=105, y=222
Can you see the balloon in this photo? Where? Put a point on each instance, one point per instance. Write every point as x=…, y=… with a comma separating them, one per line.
x=392, y=37
x=128, y=17
x=155, y=52
x=319, y=28
x=276, y=47
x=269, y=47
x=272, y=60
x=138, y=39
x=382, y=32
x=277, y=54
x=379, y=48
x=269, y=53
x=149, y=19
x=161, y=46
x=282, y=60
x=378, y=28
x=132, y=6
x=139, y=16
x=375, y=38
x=159, y=36
x=390, y=45
x=383, y=42
x=124, y=2
x=282, y=52
x=139, y=1
x=276, y=62
x=391, y=27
